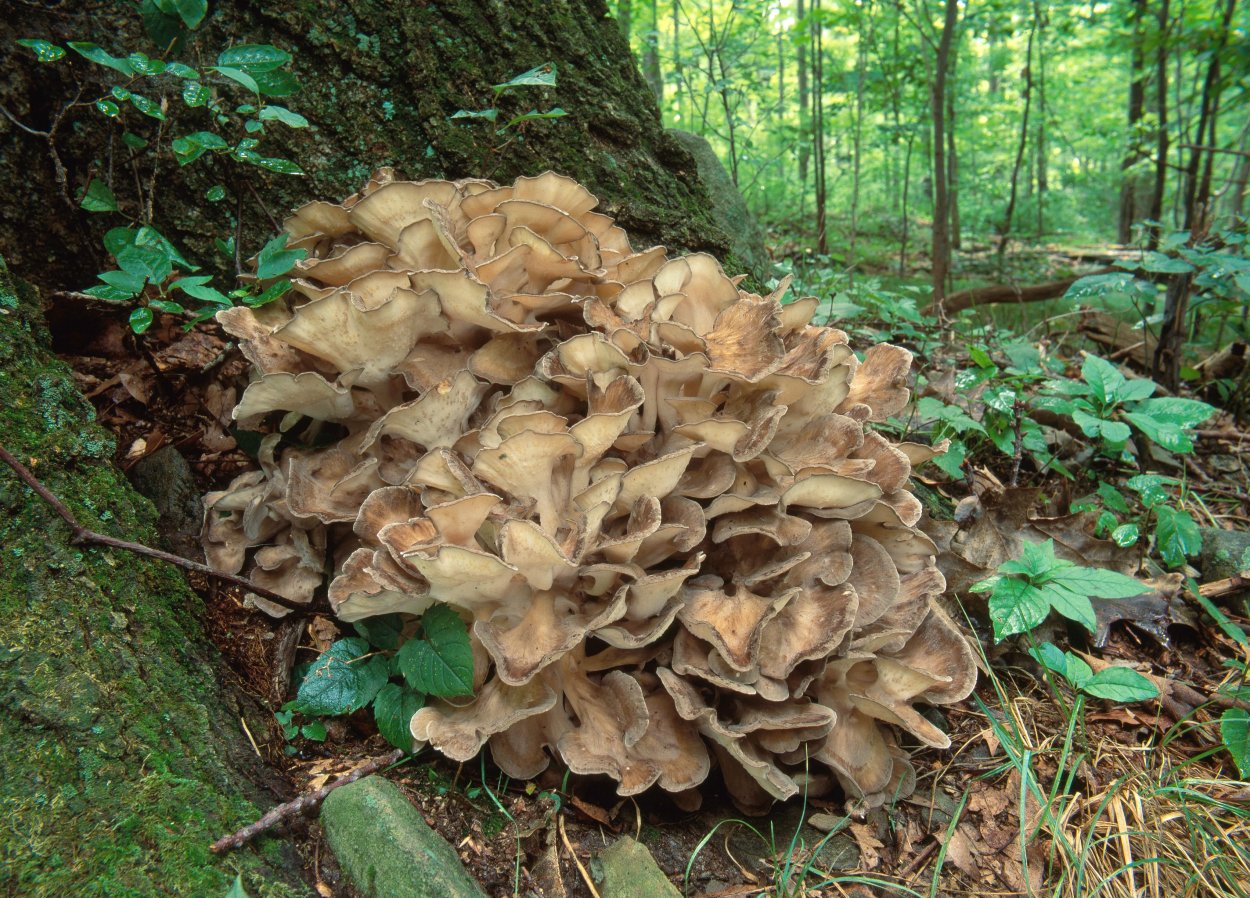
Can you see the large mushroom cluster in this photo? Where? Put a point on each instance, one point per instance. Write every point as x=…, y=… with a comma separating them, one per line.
x=651, y=495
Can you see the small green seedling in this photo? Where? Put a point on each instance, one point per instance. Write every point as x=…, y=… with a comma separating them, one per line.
x=1117, y=684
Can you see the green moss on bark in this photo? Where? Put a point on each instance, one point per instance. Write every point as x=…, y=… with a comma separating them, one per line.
x=117, y=769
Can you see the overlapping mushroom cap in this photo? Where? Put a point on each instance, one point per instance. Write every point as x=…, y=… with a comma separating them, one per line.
x=650, y=494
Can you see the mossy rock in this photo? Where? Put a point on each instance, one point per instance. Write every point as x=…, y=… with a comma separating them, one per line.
x=120, y=763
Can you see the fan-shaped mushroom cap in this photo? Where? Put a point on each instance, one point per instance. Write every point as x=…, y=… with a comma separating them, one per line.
x=649, y=494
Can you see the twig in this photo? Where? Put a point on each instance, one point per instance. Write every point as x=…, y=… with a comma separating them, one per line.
x=1217, y=588
x=26, y=128
x=299, y=805
x=564, y=837
x=81, y=536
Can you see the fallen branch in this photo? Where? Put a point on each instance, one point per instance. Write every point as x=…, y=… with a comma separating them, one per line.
x=299, y=805
x=81, y=536
x=1217, y=588
x=981, y=296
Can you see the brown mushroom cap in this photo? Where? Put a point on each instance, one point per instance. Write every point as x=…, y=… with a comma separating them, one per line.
x=650, y=494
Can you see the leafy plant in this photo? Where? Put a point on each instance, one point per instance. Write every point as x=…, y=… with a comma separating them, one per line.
x=1023, y=592
x=1109, y=407
x=1173, y=533
x=539, y=76
x=386, y=669
x=137, y=90
x=1118, y=684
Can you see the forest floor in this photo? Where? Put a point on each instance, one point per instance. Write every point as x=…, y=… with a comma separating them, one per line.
x=1041, y=791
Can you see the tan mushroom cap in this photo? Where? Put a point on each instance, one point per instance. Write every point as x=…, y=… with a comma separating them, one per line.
x=654, y=497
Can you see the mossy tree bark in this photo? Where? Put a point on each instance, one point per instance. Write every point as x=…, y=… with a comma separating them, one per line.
x=381, y=82
x=119, y=763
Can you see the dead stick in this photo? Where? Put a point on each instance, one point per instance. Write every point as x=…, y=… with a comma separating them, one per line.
x=1217, y=588
x=81, y=536
x=299, y=805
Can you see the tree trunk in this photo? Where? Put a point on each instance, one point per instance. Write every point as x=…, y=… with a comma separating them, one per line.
x=1163, y=24
x=1039, y=147
x=861, y=66
x=818, y=130
x=1005, y=232
x=651, y=58
x=1129, y=186
x=805, y=149
x=941, y=250
x=380, y=85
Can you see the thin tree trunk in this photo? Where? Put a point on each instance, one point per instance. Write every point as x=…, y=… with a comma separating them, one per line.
x=1163, y=20
x=625, y=16
x=1005, y=231
x=941, y=250
x=1040, y=147
x=861, y=65
x=952, y=167
x=679, y=96
x=1129, y=211
x=818, y=130
x=805, y=148
x=902, y=248
x=651, y=57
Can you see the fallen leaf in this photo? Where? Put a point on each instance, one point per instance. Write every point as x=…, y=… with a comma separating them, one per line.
x=869, y=846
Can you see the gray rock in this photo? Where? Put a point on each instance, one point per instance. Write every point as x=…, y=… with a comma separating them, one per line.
x=1222, y=552
x=386, y=848
x=729, y=209
x=166, y=479
x=628, y=870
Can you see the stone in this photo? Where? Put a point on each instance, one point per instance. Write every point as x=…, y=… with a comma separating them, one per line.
x=387, y=849
x=1222, y=552
x=729, y=209
x=627, y=870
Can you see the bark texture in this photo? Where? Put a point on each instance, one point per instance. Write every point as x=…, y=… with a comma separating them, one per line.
x=381, y=81
x=120, y=763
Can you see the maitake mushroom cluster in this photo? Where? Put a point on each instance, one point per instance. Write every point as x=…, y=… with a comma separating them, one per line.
x=651, y=495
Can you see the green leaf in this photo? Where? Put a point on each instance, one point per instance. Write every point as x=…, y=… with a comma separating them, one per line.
x=43, y=50
x=1235, y=733
x=178, y=70
x=1113, y=498
x=1016, y=606
x=120, y=92
x=149, y=262
x=141, y=319
x=383, y=631
x=145, y=65
x=1126, y=535
x=162, y=24
x=108, y=293
x=1136, y=390
x=284, y=115
x=282, y=166
x=190, y=147
x=98, y=197
x=1158, y=262
x=252, y=126
x=393, y=709
x=166, y=305
x=191, y=12
x=1091, y=581
x=1078, y=672
x=254, y=57
x=316, y=731
x=147, y=107
x=339, y=681
x=534, y=114
x=539, y=76
x=124, y=280
x=207, y=294
x=272, y=292
x=276, y=83
x=1103, y=377
x=134, y=141
x=1035, y=561
x=108, y=107
x=237, y=890
x=215, y=194
x=980, y=357
x=488, y=114
x=195, y=94
x=1149, y=488
x=1072, y=604
x=1176, y=535
x=238, y=76
x=100, y=56
x=441, y=663
x=1051, y=657
x=275, y=259
x=1166, y=419
x=1120, y=684
x=951, y=461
